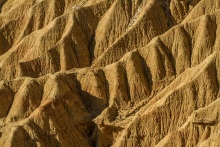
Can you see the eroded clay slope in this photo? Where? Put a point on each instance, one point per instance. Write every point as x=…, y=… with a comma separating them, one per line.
x=121, y=73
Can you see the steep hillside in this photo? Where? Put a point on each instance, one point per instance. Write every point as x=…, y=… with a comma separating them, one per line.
x=101, y=73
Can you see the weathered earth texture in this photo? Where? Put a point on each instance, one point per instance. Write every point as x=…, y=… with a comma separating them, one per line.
x=101, y=73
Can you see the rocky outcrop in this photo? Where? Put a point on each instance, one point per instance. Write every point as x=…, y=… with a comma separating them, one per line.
x=109, y=73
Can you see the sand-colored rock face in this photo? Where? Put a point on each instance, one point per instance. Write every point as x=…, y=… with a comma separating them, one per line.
x=101, y=73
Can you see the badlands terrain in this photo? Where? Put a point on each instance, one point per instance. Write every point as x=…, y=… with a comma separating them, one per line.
x=109, y=73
